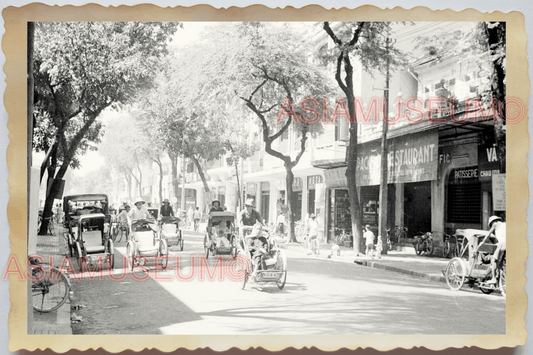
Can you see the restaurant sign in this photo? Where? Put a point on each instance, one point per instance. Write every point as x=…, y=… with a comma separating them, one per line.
x=411, y=158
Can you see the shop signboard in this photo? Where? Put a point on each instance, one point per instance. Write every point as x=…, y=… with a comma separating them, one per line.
x=411, y=158
x=498, y=192
x=335, y=177
x=312, y=180
x=489, y=163
x=250, y=188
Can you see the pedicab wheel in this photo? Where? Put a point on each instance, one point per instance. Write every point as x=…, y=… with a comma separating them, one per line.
x=111, y=257
x=69, y=245
x=418, y=248
x=455, y=274
x=130, y=254
x=283, y=279
x=79, y=257
x=206, y=247
x=430, y=247
x=486, y=291
x=163, y=253
x=181, y=243
x=446, y=249
x=501, y=278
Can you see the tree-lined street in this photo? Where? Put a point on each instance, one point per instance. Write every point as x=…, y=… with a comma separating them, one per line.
x=321, y=297
x=281, y=118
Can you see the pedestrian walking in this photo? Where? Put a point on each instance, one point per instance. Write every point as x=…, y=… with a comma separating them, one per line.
x=190, y=217
x=369, y=238
x=197, y=215
x=312, y=234
x=379, y=247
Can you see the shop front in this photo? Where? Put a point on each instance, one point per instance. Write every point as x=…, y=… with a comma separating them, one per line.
x=412, y=168
x=265, y=201
x=312, y=181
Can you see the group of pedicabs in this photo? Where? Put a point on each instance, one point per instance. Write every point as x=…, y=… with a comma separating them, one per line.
x=92, y=228
x=479, y=258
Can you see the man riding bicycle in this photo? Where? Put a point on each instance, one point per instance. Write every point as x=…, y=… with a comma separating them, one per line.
x=122, y=219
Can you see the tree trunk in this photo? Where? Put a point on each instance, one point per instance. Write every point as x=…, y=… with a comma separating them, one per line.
x=174, y=166
x=289, y=178
x=203, y=178
x=52, y=191
x=160, y=165
x=239, y=198
x=343, y=60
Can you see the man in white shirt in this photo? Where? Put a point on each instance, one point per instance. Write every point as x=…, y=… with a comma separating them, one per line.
x=498, y=230
x=138, y=212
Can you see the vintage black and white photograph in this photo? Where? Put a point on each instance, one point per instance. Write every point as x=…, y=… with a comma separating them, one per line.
x=264, y=178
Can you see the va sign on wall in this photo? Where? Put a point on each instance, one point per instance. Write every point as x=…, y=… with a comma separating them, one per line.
x=411, y=158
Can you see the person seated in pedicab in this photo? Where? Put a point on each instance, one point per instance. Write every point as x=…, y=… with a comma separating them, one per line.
x=498, y=231
x=221, y=237
x=258, y=247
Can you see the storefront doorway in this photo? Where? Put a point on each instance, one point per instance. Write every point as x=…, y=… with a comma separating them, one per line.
x=417, y=207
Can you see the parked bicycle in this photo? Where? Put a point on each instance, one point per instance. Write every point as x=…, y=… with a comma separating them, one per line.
x=395, y=237
x=343, y=238
x=50, y=288
x=452, y=245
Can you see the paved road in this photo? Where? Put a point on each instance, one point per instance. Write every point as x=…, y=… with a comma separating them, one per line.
x=320, y=297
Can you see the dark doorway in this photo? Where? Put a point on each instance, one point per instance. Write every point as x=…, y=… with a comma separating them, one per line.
x=311, y=202
x=417, y=207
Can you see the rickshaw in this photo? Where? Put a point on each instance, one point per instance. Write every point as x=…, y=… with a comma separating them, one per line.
x=92, y=241
x=169, y=230
x=220, y=237
x=472, y=266
x=259, y=248
x=75, y=206
x=146, y=242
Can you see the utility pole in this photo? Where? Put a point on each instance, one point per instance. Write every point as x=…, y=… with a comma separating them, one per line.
x=182, y=207
x=383, y=188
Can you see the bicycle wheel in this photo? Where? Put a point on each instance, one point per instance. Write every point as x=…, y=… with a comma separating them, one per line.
x=455, y=274
x=429, y=246
x=283, y=266
x=79, y=256
x=446, y=249
x=206, y=247
x=163, y=253
x=50, y=291
x=418, y=247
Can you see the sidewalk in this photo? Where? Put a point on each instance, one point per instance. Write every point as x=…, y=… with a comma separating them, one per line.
x=405, y=261
x=57, y=322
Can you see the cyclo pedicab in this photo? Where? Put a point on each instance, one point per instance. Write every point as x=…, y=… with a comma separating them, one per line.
x=220, y=237
x=472, y=266
x=170, y=232
x=146, y=242
x=266, y=262
x=87, y=233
